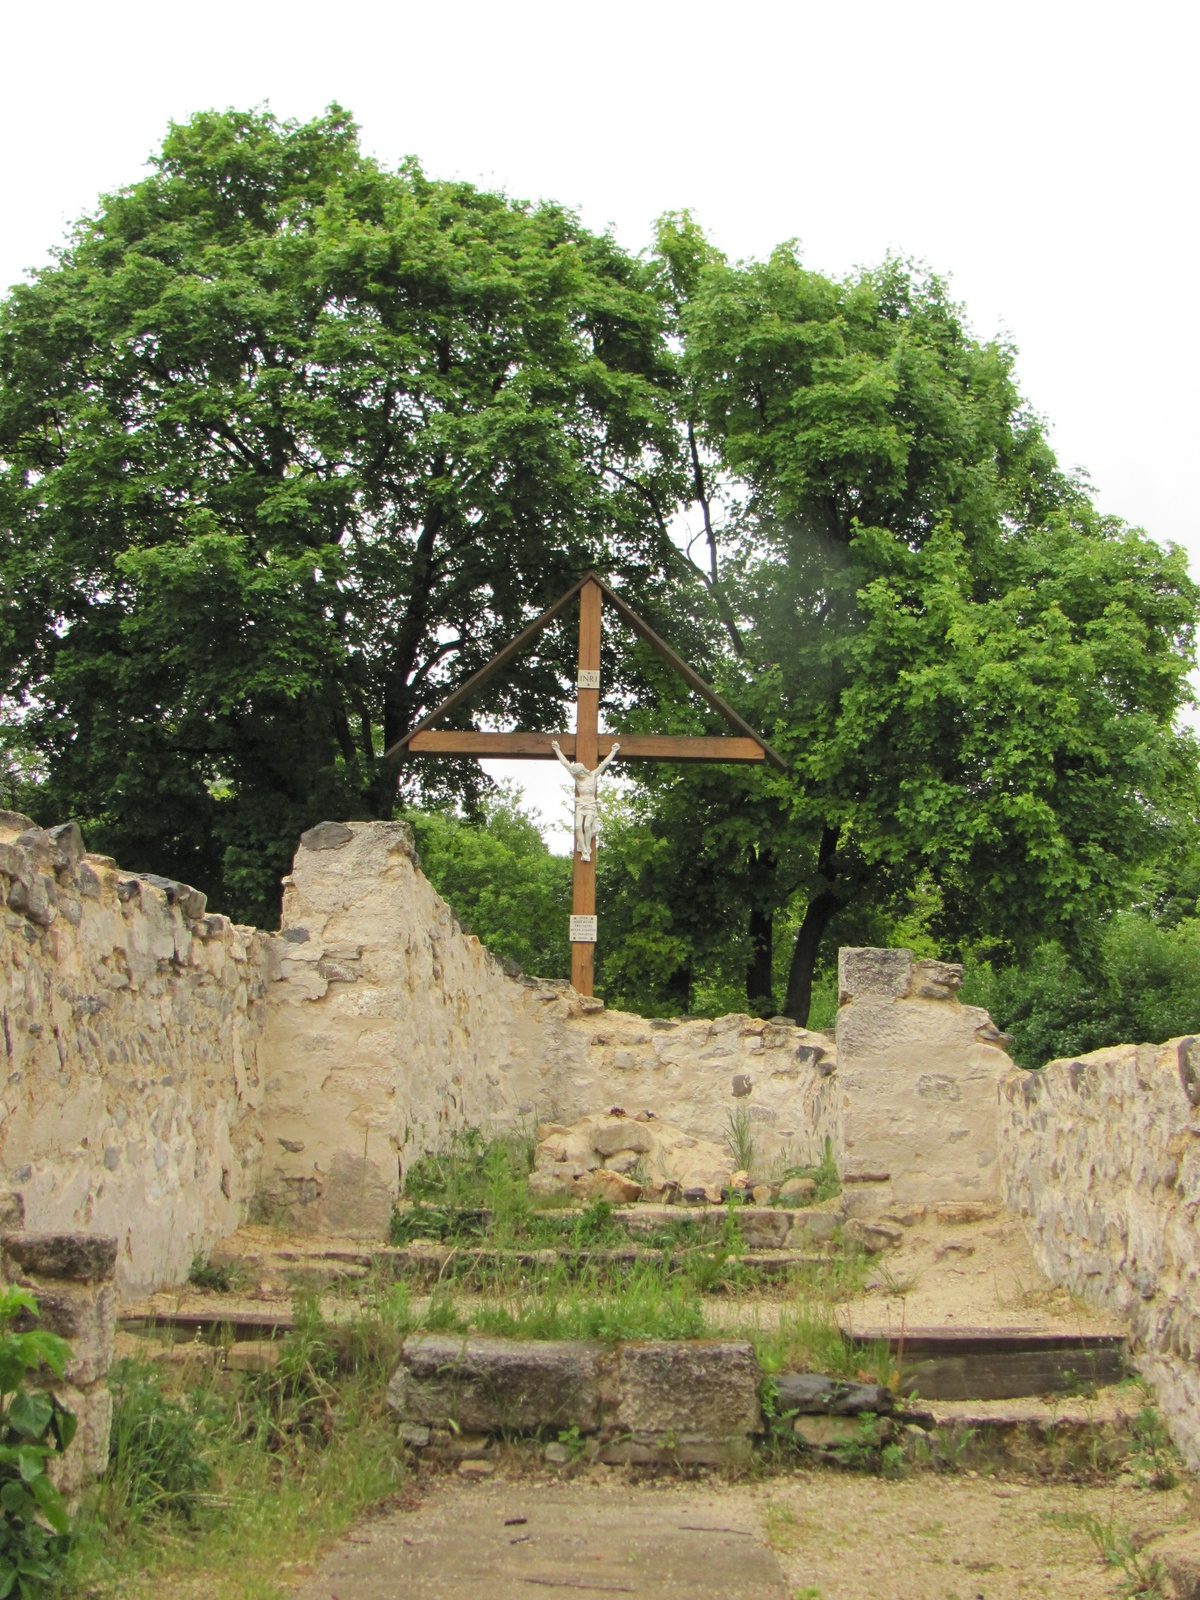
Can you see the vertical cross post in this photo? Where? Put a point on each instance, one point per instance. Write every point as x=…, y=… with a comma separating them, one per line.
x=587, y=726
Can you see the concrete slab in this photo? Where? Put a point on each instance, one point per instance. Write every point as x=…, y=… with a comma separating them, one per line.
x=516, y=1540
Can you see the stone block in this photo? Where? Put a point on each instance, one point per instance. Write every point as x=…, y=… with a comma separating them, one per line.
x=614, y=1187
x=494, y=1384
x=87, y=1455
x=812, y=1393
x=763, y=1228
x=873, y=1237
x=622, y=1133
x=12, y=1210
x=936, y=980
x=698, y=1389
x=873, y=972
x=85, y=1257
x=826, y=1433
x=797, y=1189
x=83, y=1314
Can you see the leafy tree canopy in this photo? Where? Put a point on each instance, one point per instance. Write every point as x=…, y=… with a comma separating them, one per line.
x=289, y=445
x=974, y=677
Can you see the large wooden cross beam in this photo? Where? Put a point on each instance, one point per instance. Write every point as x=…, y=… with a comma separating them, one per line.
x=587, y=744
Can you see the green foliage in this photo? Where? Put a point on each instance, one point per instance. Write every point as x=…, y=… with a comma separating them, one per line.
x=739, y=1138
x=215, y=1277
x=498, y=876
x=973, y=676
x=158, y=1462
x=227, y=1482
x=34, y=1428
x=290, y=444
x=1138, y=983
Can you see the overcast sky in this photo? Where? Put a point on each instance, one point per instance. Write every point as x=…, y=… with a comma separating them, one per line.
x=1042, y=155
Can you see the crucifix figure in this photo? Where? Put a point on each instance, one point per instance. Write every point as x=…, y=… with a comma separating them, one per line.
x=585, y=797
x=587, y=752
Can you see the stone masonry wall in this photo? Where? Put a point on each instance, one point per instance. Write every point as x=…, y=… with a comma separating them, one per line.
x=389, y=1029
x=918, y=1073
x=131, y=1023
x=1100, y=1157
x=170, y=1074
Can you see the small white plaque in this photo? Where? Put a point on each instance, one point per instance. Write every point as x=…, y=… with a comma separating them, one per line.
x=589, y=678
x=583, y=930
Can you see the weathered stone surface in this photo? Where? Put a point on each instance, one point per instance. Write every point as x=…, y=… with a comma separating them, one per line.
x=1180, y=1555
x=613, y=1187
x=87, y=1257
x=327, y=836
x=87, y=1456
x=827, y=1433
x=83, y=1313
x=494, y=1384
x=873, y=1237
x=797, y=1189
x=694, y=1390
x=812, y=1393
x=621, y=1134
x=863, y=972
x=1101, y=1161
x=919, y=1086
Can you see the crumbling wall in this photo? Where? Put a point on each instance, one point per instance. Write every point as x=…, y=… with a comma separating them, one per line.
x=1100, y=1158
x=705, y=1077
x=918, y=1074
x=170, y=1074
x=131, y=1022
x=389, y=1028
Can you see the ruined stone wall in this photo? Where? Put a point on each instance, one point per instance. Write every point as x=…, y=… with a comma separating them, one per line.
x=918, y=1074
x=1100, y=1158
x=131, y=1022
x=390, y=1027
x=702, y=1076
x=170, y=1074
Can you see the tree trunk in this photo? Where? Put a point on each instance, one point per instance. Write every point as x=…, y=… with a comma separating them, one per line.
x=760, y=968
x=822, y=904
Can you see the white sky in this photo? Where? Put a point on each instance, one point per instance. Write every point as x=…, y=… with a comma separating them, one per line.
x=1043, y=153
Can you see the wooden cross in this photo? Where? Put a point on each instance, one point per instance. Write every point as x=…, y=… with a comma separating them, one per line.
x=587, y=744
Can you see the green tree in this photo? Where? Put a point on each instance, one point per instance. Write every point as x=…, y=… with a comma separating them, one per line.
x=974, y=677
x=496, y=873
x=1138, y=983
x=289, y=444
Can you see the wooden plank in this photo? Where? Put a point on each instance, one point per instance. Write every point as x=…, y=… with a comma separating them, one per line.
x=538, y=746
x=587, y=723
x=510, y=651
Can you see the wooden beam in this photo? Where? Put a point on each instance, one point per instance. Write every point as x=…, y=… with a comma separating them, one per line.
x=510, y=651
x=688, y=674
x=537, y=746
x=587, y=723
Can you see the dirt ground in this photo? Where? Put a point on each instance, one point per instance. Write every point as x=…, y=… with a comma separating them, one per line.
x=834, y=1536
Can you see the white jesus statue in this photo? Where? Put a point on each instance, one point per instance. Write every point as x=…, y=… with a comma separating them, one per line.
x=585, y=798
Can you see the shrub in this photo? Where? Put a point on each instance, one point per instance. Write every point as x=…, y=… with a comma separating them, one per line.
x=1140, y=985
x=34, y=1428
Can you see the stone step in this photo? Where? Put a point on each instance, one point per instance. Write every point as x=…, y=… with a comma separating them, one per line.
x=968, y=1364
x=426, y=1261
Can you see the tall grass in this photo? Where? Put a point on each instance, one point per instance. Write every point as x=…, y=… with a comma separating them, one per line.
x=229, y=1486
